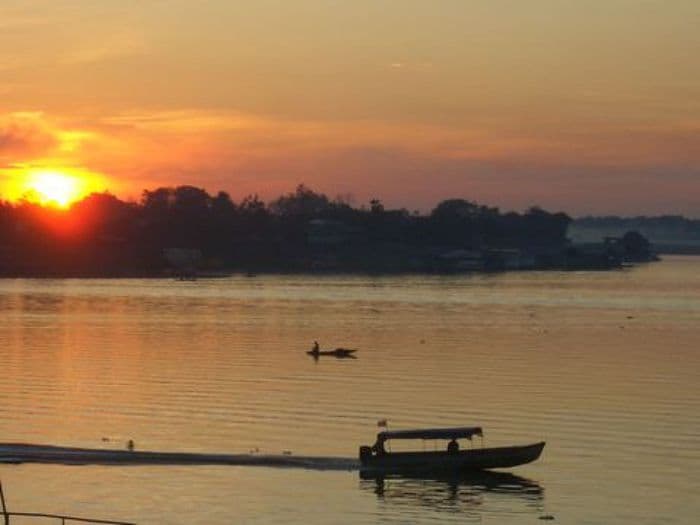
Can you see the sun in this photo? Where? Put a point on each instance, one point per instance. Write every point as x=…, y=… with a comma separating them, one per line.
x=54, y=188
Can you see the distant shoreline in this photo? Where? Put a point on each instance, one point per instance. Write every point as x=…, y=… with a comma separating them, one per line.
x=224, y=274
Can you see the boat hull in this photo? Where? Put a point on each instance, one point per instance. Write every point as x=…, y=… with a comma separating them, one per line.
x=340, y=352
x=463, y=461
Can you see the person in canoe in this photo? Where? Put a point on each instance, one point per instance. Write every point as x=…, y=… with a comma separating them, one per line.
x=453, y=447
x=315, y=351
x=338, y=352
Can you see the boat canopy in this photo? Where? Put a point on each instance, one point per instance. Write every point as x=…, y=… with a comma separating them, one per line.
x=431, y=433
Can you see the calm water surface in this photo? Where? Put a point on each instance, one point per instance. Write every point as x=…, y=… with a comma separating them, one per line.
x=603, y=366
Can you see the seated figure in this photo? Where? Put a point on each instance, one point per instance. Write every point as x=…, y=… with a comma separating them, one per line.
x=453, y=447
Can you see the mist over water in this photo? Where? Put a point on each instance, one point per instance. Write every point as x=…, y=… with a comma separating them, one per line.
x=603, y=366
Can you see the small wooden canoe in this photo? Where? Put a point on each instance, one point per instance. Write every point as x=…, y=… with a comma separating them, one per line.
x=338, y=352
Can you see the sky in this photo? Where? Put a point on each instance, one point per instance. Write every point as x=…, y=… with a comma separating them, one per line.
x=588, y=107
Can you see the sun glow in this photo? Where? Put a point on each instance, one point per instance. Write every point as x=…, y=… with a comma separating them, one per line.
x=53, y=187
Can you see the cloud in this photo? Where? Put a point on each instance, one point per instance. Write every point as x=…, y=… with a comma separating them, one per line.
x=30, y=140
x=18, y=17
x=412, y=66
x=112, y=47
x=23, y=135
x=417, y=162
x=406, y=164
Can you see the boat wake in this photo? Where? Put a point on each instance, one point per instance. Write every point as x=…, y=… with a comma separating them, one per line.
x=26, y=453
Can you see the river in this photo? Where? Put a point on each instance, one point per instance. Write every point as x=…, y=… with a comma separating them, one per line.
x=603, y=366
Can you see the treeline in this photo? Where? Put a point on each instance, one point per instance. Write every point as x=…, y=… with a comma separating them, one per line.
x=302, y=230
x=670, y=224
x=668, y=233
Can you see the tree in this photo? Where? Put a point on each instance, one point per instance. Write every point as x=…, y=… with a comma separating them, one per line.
x=158, y=200
x=304, y=202
x=191, y=200
x=103, y=214
x=455, y=210
x=222, y=205
x=251, y=205
x=636, y=246
x=376, y=207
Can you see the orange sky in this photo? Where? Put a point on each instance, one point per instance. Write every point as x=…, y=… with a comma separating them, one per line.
x=590, y=107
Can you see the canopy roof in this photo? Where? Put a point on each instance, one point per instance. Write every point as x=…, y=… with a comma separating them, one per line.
x=431, y=433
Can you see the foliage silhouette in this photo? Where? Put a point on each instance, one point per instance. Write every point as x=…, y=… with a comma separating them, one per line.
x=300, y=231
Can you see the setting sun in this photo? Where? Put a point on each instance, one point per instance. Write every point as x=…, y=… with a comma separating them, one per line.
x=58, y=187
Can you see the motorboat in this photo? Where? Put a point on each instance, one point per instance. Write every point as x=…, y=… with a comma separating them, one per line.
x=450, y=458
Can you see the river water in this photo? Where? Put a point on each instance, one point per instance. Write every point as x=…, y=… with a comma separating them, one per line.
x=604, y=366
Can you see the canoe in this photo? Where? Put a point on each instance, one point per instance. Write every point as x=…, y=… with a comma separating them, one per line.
x=338, y=352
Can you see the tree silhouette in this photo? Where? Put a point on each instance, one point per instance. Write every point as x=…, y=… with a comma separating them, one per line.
x=103, y=235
